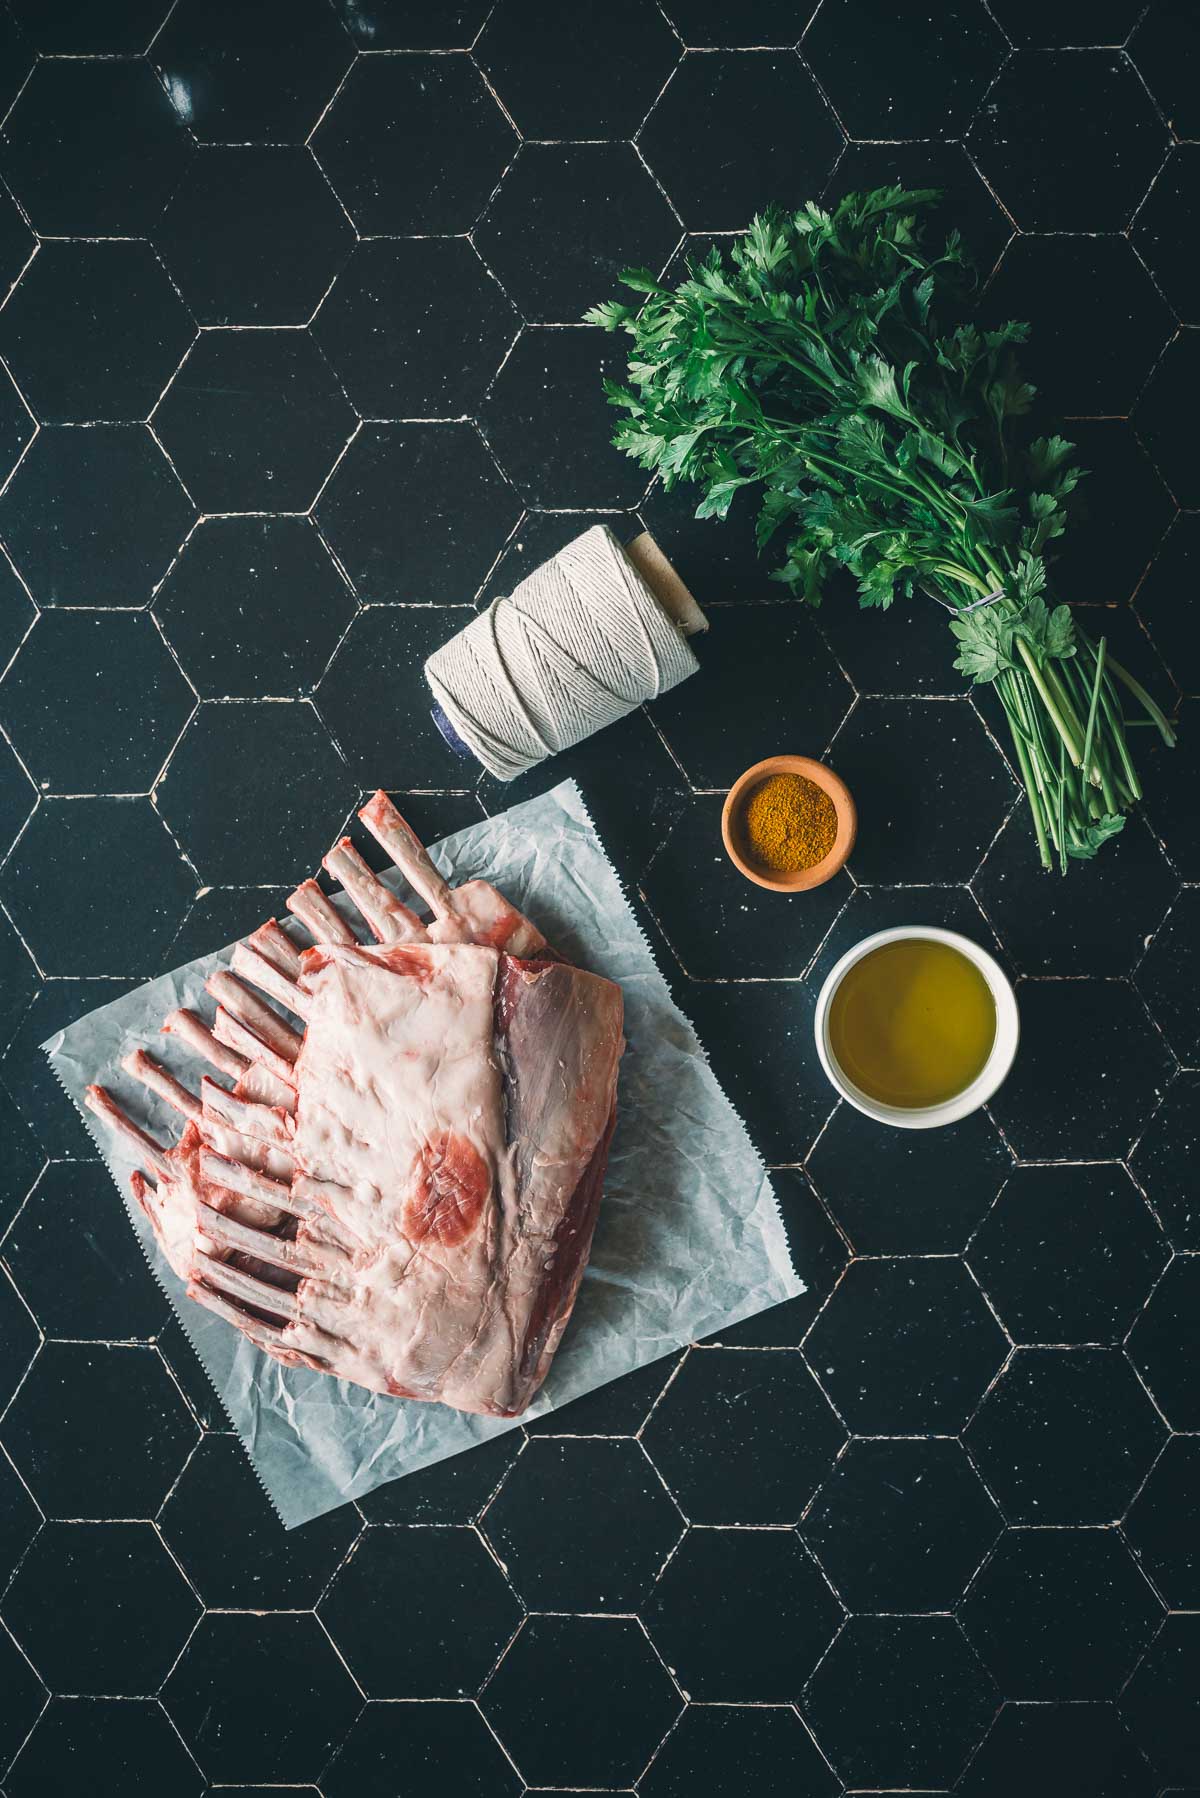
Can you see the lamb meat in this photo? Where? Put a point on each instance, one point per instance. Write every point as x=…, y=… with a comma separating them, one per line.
x=402, y=1191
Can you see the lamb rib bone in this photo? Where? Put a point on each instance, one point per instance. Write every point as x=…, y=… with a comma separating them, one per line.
x=420, y=1220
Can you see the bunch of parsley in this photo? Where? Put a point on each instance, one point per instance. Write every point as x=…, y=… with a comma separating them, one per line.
x=813, y=365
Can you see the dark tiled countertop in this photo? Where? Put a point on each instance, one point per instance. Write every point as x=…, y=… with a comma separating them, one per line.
x=291, y=380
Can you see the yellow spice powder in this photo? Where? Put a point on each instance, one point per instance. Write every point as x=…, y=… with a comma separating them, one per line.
x=790, y=823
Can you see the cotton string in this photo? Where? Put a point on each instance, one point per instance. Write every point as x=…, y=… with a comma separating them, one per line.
x=578, y=644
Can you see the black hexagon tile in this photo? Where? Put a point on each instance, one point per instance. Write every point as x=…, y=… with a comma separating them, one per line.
x=756, y=165
x=453, y=1491
x=415, y=327
x=253, y=235
x=618, y=1409
x=254, y=421
x=262, y=73
x=16, y=424
x=1061, y=1614
x=1165, y=45
x=899, y=1701
x=1165, y=1156
x=17, y=610
x=126, y=325
x=261, y=1697
x=293, y=792
x=98, y=1430
x=120, y=1741
x=1031, y=1743
x=879, y=1347
x=1044, y=928
x=718, y=559
x=93, y=517
x=817, y=1246
x=24, y=1696
x=930, y=788
x=967, y=205
x=1067, y=1254
x=548, y=422
x=1170, y=776
x=1088, y=362
x=399, y=25
x=728, y=1409
x=20, y=1519
x=100, y=1607
x=251, y=1563
x=760, y=1040
x=582, y=1698
x=413, y=145
x=705, y=24
x=94, y=702
x=1160, y=1704
x=1166, y=217
x=17, y=242
x=1056, y=1103
x=1157, y=603
x=874, y=60
x=1167, y=977
x=1069, y=140
x=438, y=545
x=1161, y=1526
x=620, y=220
x=461, y=1613
x=1158, y=415
x=776, y=688
x=736, y=933
x=1065, y=1436
x=187, y=1371
x=392, y=741
x=440, y=1747
x=73, y=29
x=939, y=1182
x=1165, y=1342
x=1104, y=555
x=907, y=650
x=57, y=1125
x=24, y=1157
x=18, y=1337
x=16, y=796
x=136, y=148
x=77, y=1262
x=582, y=1526
x=254, y=607
x=581, y=74
x=75, y=843
x=777, y=1614
x=733, y=1748
x=901, y=1526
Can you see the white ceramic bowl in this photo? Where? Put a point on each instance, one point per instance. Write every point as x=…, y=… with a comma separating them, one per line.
x=1004, y=1048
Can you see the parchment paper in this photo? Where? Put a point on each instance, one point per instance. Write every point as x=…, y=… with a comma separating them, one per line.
x=689, y=1238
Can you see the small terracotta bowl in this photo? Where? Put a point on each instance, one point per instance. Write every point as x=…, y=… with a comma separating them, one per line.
x=733, y=834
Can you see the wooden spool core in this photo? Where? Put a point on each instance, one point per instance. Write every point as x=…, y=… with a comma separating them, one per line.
x=666, y=585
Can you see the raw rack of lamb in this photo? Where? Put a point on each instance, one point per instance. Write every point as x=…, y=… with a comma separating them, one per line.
x=400, y=1188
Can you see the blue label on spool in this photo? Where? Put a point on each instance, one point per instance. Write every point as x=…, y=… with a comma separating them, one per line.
x=461, y=749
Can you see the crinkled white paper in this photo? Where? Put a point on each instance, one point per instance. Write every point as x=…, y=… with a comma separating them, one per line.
x=689, y=1238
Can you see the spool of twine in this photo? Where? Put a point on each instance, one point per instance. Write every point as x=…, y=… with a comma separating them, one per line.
x=581, y=642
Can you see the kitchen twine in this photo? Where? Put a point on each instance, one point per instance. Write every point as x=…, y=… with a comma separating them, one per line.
x=581, y=642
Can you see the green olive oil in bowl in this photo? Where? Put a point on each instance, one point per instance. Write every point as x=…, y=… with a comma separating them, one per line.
x=917, y=1027
x=913, y=1023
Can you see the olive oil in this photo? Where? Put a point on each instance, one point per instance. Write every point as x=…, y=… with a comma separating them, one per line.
x=912, y=1023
